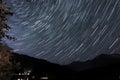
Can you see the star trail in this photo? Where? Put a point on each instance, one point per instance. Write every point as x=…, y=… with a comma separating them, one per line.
x=62, y=31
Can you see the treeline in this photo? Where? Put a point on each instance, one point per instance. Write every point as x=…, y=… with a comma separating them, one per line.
x=7, y=67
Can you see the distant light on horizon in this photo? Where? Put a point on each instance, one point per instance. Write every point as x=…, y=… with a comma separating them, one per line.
x=44, y=78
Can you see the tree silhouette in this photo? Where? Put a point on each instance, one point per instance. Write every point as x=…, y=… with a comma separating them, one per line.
x=6, y=66
x=4, y=28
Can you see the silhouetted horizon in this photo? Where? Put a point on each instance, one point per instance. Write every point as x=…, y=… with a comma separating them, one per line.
x=95, y=69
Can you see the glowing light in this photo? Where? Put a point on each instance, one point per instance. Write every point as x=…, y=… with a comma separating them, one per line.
x=44, y=78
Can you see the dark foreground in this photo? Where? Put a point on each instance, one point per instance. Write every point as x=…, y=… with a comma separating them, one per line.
x=105, y=67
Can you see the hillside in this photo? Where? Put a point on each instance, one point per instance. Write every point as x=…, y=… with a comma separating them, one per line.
x=102, y=67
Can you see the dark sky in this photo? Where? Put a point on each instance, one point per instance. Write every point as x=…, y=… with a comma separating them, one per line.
x=63, y=31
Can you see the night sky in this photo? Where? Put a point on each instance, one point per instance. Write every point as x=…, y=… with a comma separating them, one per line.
x=62, y=31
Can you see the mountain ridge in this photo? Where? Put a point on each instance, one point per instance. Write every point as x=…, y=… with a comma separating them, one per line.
x=102, y=67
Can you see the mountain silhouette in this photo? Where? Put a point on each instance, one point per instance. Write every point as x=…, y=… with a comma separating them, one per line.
x=103, y=67
x=100, y=61
x=41, y=68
